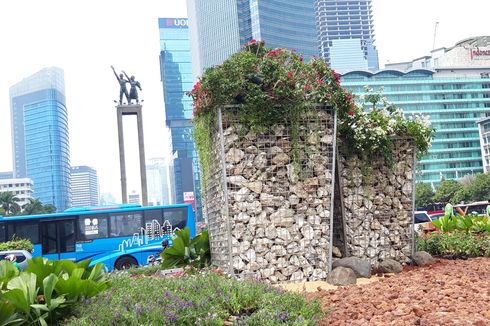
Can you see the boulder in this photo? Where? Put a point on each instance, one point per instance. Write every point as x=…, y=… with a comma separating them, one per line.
x=422, y=258
x=390, y=266
x=361, y=267
x=341, y=276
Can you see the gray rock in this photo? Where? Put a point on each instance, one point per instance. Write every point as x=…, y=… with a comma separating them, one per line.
x=390, y=266
x=336, y=252
x=341, y=276
x=422, y=258
x=361, y=267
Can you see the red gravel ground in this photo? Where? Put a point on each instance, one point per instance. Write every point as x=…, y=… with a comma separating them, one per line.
x=449, y=292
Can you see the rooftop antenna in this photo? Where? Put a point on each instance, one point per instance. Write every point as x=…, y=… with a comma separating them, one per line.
x=435, y=34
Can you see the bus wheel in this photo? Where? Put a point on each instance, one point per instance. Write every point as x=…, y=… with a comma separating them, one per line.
x=125, y=262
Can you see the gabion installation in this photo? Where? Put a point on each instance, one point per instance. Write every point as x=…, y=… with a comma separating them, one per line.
x=269, y=214
x=377, y=202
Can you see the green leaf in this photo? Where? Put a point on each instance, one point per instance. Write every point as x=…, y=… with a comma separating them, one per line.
x=26, y=282
x=17, y=298
x=8, y=316
x=7, y=272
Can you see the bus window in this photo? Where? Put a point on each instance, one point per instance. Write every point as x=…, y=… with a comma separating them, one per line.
x=125, y=224
x=24, y=230
x=92, y=227
x=67, y=236
x=3, y=236
x=176, y=216
x=154, y=215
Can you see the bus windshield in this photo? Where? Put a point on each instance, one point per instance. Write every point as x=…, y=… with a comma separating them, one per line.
x=118, y=236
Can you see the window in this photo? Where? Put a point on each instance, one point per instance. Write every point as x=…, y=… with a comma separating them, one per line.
x=24, y=230
x=176, y=216
x=155, y=214
x=125, y=224
x=2, y=232
x=92, y=227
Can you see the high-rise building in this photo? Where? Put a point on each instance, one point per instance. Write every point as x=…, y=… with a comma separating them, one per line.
x=452, y=87
x=219, y=28
x=176, y=74
x=346, y=34
x=160, y=177
x=40, y=136
x=6, y=175
x=21, y=188
x=84, y=186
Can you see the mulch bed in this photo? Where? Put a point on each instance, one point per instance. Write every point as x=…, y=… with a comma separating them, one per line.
x=449, y=292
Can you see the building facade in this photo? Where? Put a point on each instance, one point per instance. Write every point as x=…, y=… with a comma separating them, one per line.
x=346, y=34
x=219, y=28
x=160, y=176
x=484, y=132
x=41, y=148
x=21, y=188
x=176, y=75
x=84, y=186
x=453, y=88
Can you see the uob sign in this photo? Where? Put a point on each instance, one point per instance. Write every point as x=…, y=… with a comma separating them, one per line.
x=176, y=22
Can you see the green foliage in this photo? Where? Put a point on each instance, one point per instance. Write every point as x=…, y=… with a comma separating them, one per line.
x=455, y=244
x=423, y=194
x=35, y=206
x=186, y=251
x=446, y=190
x=446, y=223
x=9, y=203
x=17, y=244
x=203, y=299
x=46, y=289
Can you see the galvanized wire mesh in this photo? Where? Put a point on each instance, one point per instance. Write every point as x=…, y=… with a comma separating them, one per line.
x=378, y=204
x=278, y=192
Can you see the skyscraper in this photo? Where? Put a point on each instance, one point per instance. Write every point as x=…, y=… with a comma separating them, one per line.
x=40, y=136
x=84, y=186
x=160, y=180
x=346, y=34
x=219, y=28
x=176, y=74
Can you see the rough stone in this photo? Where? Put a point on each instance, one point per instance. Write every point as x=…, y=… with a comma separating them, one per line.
x=422, y=258
x=341, y=276
x=361, y=267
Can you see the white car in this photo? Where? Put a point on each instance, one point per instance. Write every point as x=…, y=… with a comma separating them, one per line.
x=22, y=257
x=421, y=219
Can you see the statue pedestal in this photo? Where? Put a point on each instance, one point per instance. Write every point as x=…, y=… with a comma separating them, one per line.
x=132, y=109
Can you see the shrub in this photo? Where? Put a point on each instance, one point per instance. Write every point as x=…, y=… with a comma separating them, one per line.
x=203, y=299
x=17, y=244
x=455, y=244
x=186, y=251
x=46, y=289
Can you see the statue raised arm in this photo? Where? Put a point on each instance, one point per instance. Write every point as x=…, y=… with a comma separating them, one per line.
x=122, y=84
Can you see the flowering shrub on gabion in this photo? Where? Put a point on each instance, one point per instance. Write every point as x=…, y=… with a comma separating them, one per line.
x=275, y=85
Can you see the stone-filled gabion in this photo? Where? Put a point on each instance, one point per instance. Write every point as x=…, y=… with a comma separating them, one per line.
x=268, y=214
x=377, y=204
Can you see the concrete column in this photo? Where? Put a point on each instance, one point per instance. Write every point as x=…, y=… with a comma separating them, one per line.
x=132, y=109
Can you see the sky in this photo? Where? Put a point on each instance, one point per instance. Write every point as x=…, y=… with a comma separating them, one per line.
x=85, y=38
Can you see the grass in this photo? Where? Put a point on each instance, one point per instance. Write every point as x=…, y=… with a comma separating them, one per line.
x=204, y=298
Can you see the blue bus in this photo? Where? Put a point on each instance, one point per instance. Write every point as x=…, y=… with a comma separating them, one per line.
x=119, y=236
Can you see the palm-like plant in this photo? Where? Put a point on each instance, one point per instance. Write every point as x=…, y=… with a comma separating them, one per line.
x=9, y=202
x=34, y=206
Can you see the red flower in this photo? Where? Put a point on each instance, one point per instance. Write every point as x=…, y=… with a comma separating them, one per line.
x=320, y=81
x=307, y=87
x=300, y=58
x=290, y=74
x=336, y=76
x=351, y=113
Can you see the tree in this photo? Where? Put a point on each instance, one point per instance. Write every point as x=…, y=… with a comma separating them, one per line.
x=423, y=194
x=446, y=190
x=9, y=202
x=479, y=189
x=35, y=206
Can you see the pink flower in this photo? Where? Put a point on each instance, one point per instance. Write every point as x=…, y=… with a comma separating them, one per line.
x=307, y=87
x=290, y=74
x=300, y=58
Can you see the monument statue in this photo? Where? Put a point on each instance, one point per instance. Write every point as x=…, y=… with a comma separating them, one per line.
x=133, y=92
x=123, y=89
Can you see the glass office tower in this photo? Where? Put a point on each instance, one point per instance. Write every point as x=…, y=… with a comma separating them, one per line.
x=176, y=74
x=219, y=28
x=346, y=30
x=454, y=106
x=84, y=186
x=40, y=136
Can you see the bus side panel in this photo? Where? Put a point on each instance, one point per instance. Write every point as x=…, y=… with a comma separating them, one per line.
x=191, y=221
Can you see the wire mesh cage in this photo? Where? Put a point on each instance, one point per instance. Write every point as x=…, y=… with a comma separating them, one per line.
x=269, y=196
x=374, y=220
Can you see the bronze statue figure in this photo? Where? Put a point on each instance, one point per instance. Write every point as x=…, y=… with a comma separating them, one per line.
x=133, y=92
x=123, y=89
